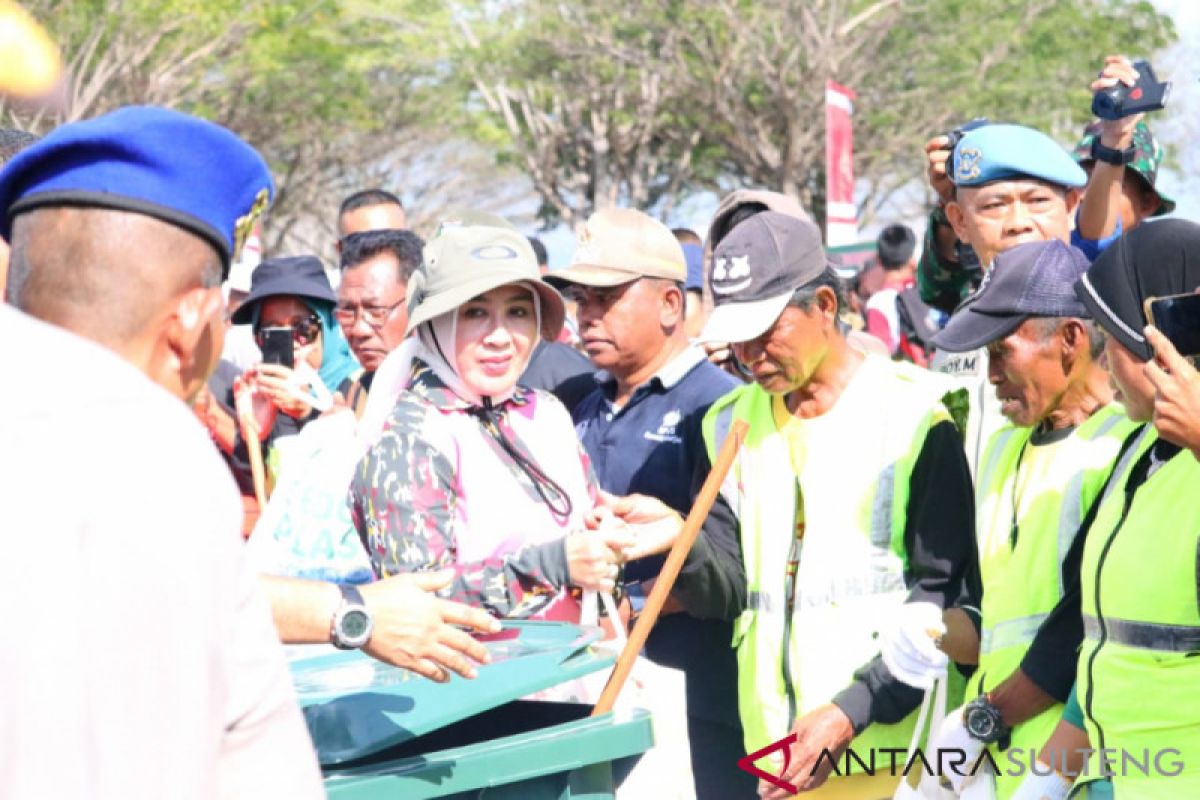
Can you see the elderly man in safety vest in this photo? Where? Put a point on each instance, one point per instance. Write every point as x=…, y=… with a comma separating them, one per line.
x=851, y=495
x=1037, y=481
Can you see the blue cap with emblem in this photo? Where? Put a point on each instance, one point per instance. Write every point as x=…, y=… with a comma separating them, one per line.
x=168, y=165
x=1006, y=152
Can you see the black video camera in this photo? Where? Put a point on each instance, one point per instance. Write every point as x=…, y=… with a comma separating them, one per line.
x=1148, y=94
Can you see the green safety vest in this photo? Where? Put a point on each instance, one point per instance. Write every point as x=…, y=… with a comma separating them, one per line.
x=1138, y=676
x=854, y=490
x=1022, y=584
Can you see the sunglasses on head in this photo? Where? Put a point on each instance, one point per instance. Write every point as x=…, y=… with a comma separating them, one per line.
x=304, y=331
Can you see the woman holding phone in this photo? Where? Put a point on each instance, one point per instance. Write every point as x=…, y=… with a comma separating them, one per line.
x=473, y=472
x=305, y=357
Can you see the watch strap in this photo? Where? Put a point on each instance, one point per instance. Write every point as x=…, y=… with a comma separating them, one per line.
x=351, y=597
x=351, y=594
x=1111, y=155
x=1001, y=732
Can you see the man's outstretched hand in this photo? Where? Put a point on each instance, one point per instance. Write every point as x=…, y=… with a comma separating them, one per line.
x=654, y=524
x=417, y=630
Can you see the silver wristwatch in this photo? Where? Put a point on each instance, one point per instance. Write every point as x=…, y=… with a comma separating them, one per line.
x=352, y=623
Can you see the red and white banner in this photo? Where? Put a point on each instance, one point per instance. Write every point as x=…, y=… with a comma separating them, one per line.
x=841, y=215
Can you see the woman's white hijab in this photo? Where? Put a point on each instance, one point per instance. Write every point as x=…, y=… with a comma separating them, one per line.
x=435, y=344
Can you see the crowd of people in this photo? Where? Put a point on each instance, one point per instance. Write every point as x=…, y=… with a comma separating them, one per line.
x=966, y=471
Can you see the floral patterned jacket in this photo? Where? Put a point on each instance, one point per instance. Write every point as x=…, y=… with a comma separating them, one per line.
x=439, y=491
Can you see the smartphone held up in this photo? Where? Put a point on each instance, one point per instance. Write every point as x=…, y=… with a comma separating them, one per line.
x=276, y=346
x=1178, y=318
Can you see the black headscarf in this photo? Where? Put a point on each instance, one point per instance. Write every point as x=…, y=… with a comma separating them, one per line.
x=1155, y=259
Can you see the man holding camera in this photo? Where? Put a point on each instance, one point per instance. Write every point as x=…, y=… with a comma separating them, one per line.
x=965, y=234
x=1121, y=157
x=1116, y=200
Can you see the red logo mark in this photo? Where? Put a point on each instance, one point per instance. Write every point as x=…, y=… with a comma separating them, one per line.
x=1136, y=94
x=784, y=744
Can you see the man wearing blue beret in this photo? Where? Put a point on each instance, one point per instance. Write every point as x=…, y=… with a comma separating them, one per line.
x=147, y=655
x=1012, y=185
x=1002, y=185
x=150, y=657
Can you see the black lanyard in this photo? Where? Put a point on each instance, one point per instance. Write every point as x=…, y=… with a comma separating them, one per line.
x=1014, y=527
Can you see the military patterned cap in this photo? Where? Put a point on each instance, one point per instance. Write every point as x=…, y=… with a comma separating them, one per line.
x=1148, y=156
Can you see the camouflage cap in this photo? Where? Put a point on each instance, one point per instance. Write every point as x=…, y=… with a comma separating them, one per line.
x=1148, y=157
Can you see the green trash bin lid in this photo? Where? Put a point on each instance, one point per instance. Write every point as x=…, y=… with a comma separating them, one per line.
x=356, y=706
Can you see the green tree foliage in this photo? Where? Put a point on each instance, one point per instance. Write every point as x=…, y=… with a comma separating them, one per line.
x=622, y=101
x=323, y=88
x=642, y=101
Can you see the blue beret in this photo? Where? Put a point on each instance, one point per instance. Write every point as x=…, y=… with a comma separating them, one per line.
x=180, y=169
x=1004, y=152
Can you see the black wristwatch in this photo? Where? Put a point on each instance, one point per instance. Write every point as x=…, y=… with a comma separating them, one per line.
x=352, y=623
x=982, y=721
x=1110, y=155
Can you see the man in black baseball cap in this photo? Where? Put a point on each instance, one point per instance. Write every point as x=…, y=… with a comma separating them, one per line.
x=1039, y=475
x=854, y=476
x=786, y=256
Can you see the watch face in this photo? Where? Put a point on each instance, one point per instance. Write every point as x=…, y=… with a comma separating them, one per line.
x=980, y=724
x=354, y=624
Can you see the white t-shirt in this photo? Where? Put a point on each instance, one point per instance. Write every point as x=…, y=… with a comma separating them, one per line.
x=139, y=658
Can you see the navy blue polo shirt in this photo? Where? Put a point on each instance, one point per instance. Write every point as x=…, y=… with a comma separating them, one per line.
x=651, y=445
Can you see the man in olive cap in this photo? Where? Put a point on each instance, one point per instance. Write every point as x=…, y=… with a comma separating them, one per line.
x=640, y=425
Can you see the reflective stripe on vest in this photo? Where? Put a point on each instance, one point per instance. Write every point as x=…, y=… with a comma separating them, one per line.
x=1139, y=674
x=1010, y=633
x=857, y=482
x=1085, y=465
x=1045, y=490
x=1145, y=635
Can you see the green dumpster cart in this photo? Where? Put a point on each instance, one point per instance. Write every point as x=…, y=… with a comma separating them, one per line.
x=382, y=732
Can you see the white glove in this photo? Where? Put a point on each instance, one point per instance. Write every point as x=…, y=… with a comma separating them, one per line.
x=980, y=787
x=1043, y=787
x=907, y=644
x=953, y=736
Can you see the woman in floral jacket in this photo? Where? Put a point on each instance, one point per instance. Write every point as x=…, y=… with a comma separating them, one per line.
x=471, y=471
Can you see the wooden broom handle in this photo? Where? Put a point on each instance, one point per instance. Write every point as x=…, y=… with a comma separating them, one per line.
x=670, y=571
x=257, y=469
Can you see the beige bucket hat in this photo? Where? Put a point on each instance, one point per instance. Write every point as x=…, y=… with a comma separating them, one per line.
x=473, y=254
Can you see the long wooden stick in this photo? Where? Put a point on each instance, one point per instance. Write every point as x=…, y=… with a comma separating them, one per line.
x=672, y=566
x=254, y=450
